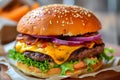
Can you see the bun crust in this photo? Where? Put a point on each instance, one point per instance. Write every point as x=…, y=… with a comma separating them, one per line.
x=30, y=70
x=59, y=20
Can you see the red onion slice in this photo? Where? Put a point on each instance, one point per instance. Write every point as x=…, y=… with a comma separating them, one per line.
x=65, y=42
x=98, y=36
x=70, y=40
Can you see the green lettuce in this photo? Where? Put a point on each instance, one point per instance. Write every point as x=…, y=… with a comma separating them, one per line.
x=67, y=66
x=107, y=54
x=43, y=65
x=90, y=62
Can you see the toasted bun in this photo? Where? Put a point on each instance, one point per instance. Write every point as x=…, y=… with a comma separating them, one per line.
x=33, y=71
x=59, y=20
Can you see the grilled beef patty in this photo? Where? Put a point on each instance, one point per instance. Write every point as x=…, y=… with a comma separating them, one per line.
x=83, y=52
x=77, y=54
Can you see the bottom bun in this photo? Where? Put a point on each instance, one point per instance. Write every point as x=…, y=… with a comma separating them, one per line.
x=33, y=71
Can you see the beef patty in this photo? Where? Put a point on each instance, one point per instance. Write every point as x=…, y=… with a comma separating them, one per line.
x=77, y=54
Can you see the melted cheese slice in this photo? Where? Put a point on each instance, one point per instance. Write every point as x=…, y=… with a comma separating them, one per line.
x=58, y=53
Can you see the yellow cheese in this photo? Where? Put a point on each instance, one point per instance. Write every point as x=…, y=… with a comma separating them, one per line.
x=58, y=53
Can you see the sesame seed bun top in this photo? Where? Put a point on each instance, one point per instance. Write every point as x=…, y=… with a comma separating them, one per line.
x=58, y=19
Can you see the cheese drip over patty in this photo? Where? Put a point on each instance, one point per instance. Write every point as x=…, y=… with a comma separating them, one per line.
x=58, y=53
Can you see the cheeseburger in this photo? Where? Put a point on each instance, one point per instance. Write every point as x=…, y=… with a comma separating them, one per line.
x=58, y=40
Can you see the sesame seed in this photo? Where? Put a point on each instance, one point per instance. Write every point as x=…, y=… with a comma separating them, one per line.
x=83, y=24
x=81, y=16
x=80, y=8
x=77, y=15
x=54, y=15
x=66, y=11
x=60, y=12
x=63, y=24
x=67, y=22
x=74, y=16
x=65, y=15
x=48, y=12
x=58, y=16
x=50, y=22
x=63, y=21
x=66, y=18
x=57, y=21
x=81, y=12
x=85, y=13
x=34, y=27
x=46, y=9
x=43, y=28
x=55, y=10
x=89, y=15
x=34, y=16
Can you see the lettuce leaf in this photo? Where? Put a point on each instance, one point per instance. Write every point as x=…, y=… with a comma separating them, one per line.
x=43, y=65
x=107, y=54
x=68, y=66
x=90, y=62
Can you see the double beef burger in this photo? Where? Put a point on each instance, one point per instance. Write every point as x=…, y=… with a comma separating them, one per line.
x=58, y=40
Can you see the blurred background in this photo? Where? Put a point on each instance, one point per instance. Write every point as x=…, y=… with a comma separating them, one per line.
x=107, y=11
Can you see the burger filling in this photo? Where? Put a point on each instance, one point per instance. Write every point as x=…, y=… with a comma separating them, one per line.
x=50, y=52
x=76, y=55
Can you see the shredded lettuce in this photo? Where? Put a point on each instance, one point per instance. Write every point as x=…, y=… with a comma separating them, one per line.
x=43, y=65
x=107, y=54
x=68, y=66
x=90, y=62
